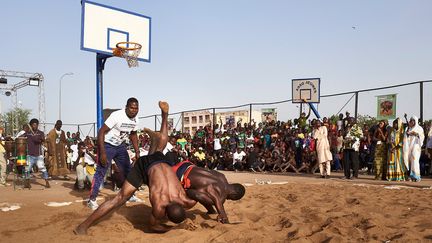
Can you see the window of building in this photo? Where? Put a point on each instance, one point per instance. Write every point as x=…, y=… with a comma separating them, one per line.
x=194, y=120
x=207, y=118
x=200, y=119
x=186, y=120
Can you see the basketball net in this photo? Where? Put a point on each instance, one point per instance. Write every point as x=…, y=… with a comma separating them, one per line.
x=129, y=51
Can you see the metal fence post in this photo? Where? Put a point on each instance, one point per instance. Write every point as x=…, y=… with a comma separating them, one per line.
x=250, y=114
x=356, y=105
x=182, y=117
x=214, y=120
x=155, y=122
x=421, y=101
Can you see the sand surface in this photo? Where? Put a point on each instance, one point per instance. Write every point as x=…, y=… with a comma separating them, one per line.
x=276, y=208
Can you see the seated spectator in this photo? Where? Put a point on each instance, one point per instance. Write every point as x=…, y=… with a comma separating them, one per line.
x=199, y=157
x=84, y=165
x=239, y=159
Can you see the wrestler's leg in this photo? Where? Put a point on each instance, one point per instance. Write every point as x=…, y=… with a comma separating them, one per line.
x=158, y=140
x=125, y=193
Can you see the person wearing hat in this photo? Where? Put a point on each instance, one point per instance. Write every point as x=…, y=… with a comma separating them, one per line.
x=200, y=157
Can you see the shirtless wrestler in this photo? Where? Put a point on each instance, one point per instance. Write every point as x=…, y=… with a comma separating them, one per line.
x=208, y=187
x=166, y=194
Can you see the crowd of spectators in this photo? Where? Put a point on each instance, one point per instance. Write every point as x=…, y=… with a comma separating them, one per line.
x=278, y=146
x=271, y=146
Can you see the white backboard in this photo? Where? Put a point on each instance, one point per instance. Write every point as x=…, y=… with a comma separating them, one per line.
x=306, y=89
x=102, y=27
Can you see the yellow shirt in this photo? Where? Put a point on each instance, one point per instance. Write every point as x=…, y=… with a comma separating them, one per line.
x=200, y=155
x=2, y=148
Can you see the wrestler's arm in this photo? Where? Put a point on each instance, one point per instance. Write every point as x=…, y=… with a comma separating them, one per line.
x=158, y=212
x=134, y=139
x=202, y=198
x=218, y=200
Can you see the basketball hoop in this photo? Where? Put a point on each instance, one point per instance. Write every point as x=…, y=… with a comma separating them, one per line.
x=128, y=51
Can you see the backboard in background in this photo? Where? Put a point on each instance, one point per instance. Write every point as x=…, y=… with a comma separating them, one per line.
x=102, y=27
x=306, y=89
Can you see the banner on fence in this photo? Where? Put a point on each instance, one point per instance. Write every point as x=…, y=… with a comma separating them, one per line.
x=386, y=107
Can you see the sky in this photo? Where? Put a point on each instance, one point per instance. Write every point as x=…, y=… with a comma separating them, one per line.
x=225, y=53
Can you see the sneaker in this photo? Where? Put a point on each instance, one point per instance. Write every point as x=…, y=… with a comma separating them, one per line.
x=92, y=204
x=135, y=199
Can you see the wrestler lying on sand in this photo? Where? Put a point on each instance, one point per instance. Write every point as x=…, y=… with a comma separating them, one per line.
x=208, y=187
x=166, y=195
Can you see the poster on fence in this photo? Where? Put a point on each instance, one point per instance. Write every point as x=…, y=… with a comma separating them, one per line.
x=268, y=115
x=170, y=124
x=386, y=107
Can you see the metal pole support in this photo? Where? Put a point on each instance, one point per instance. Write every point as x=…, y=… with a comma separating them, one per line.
x=356, y=105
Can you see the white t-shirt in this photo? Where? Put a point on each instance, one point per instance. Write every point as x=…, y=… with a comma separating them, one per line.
x=237, y=157
x=74, y=148
x=121, y=126
x=217, y=145
x=88, y=159
x=168, y=148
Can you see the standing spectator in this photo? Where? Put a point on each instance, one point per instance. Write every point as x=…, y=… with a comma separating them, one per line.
x=112, y=135
x=429, y=147
x=302, y=120
x=57, y=145
x=2, y=160
x=395, y=166
x=380, y=137
x=68, y=138
x=412, y=143
x=35, y=138
x=182, y=141
x=217, y=147
x=340, y=123
x=322, y=148
x=351, y=146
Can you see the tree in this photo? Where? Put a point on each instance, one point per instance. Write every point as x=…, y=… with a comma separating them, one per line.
x=366, y=120
x=13, y=120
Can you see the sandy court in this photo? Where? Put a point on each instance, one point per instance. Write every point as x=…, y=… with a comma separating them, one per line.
x=276, y=208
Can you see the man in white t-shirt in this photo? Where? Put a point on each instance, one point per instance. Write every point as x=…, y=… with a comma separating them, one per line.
x=238, y=159
x=120, y=126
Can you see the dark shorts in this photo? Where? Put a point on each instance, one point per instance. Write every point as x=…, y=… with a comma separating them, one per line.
x=139, y=173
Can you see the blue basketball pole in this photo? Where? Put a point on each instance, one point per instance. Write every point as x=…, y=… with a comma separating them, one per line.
x=315, y=111
x=100, y=65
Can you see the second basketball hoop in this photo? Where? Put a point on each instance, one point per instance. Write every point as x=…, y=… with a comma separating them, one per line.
x=129, y=51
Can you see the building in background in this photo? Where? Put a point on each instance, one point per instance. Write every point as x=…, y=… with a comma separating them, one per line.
x=192, y=121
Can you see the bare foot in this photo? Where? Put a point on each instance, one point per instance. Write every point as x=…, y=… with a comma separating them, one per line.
x=80, y=231
x=164, y=106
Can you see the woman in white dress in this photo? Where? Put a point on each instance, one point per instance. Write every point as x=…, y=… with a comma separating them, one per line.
x=413, y=141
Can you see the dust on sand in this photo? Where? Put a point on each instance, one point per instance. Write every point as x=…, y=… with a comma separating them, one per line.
x=289, y=208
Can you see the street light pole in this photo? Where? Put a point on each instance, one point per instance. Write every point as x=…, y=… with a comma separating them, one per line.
x=61, y=78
